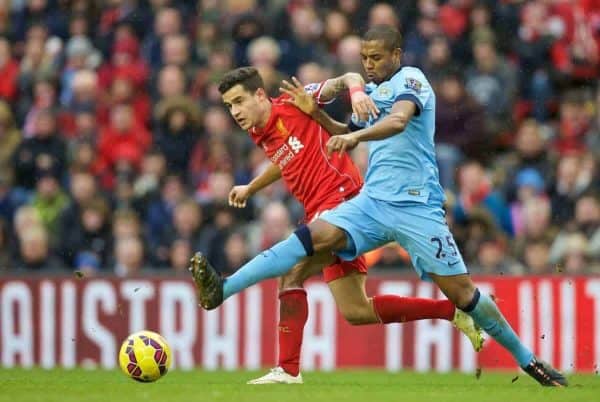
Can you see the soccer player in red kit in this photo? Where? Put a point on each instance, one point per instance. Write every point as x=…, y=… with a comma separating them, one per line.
x=295, y=144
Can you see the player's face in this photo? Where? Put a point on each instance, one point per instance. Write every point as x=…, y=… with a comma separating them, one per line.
x=244, y=106
x=379, y=63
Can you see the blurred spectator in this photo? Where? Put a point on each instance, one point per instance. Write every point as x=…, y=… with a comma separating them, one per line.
x=80, y=54
x=49, y=201
x=418, y=40
x=476, y=190
x=125, y=62
x=531, y=152
x=537, y=258
x=236, y=253
x=91, y=234
x=438, y=61
x=573, y=178
x=9, y=71
x=10, y=138
x=576, y=52
x=383, y=14
x=122, y=144
x=264, y=53
x=160, y=211
x=166, y=22
x=493, y=259
x=34, y=251
x=129, y=256
x=274, y=226
x=336, y=27
x=45, y=150
x=82, y=189
x=154, y=169
x=575, y=120
x=186, y=224
x=460, y=127
x=177, y=133
x=179, y=256
x=171, y=82
x=492, y=82
x=532, y=45
x=348, y=55
x=126, y=224
x=302, y=45
x=583, y=231
x=529, y=188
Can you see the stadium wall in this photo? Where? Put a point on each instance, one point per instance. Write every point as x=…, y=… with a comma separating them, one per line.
x=70, y=322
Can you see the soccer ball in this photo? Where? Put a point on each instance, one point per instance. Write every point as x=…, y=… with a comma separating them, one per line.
x=145, y=356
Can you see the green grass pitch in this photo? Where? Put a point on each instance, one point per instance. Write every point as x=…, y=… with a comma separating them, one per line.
x=349, y=386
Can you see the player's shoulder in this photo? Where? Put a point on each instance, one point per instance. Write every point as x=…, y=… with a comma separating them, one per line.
x=407, y=72
x=412, y=78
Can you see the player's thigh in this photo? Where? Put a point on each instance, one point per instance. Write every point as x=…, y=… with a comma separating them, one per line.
x=351, y=298
x=305, y=269
x=422, y=230
x=361, y=233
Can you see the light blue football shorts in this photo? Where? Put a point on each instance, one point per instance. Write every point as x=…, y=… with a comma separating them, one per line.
x=420, y=228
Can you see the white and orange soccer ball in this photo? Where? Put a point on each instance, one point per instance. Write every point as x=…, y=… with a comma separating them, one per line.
x=145, y=356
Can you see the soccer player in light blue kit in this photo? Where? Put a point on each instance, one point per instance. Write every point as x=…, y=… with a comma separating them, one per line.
x=401, y=201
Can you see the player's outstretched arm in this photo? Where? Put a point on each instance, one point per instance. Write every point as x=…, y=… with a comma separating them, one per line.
x=304, y=101
x=238, y=196
x=392, y=124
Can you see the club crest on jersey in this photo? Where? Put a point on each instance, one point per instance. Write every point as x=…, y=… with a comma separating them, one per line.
x=413, y=84
x=312, y=88
x=384, y=91
x=282, y=128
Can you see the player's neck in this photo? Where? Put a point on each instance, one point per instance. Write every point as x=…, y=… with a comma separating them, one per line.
x=266, y=108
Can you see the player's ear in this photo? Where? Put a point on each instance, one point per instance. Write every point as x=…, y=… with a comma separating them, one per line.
x=397, y=55
x=261, y=93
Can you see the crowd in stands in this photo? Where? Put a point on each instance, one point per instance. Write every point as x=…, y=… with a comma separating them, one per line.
x=116, y=154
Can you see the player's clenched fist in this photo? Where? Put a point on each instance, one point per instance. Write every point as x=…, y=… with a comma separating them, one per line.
x=239, y=195
x=341, y=143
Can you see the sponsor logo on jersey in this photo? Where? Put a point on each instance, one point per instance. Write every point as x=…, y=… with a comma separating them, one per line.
x=295, y=144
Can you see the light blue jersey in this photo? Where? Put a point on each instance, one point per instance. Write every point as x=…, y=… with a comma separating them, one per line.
x=403, y=167
x=402, y=197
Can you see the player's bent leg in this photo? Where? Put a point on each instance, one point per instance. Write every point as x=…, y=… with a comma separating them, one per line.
x=351, y=299
x=485, y=313
x=293, y=314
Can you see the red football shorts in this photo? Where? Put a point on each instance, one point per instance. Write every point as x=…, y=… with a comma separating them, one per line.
x=341, y=268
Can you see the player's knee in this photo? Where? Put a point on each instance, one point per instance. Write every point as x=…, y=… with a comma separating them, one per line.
x=291, y=280
x=326, y=237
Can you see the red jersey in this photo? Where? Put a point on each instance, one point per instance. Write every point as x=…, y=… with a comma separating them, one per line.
x=297, y=144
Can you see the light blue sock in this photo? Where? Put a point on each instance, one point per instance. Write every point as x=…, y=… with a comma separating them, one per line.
x=271, y=263
x=486, y=314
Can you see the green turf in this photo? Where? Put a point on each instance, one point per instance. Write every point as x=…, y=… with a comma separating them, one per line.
x=348, y=386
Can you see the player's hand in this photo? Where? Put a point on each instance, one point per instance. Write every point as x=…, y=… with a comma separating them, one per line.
x=363, y=106
x=341, y=143
x=298, y=96
x=238, y=196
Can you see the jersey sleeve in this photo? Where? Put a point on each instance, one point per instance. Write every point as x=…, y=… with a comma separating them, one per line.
x=315, y=90
x=412, y=86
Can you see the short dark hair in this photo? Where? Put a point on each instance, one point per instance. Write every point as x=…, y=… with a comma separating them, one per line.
x=247, y=77
x=391, y=37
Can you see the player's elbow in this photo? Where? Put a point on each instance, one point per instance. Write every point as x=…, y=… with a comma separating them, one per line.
x=399, y=121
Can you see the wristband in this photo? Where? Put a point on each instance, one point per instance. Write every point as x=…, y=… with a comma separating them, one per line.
x=354, y=90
